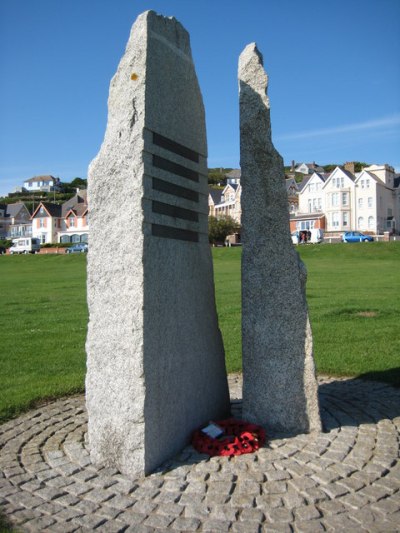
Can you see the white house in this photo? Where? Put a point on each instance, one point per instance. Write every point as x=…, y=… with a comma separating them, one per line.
x=230, y=204
x=339, y=200
x=311, y=196
x=46, y=222
x=233, y=177
x=376, y=206
x=42, y=183
x=308, y=168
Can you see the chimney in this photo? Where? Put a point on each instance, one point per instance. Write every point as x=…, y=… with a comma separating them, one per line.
x=350, y=167
x=293, y=165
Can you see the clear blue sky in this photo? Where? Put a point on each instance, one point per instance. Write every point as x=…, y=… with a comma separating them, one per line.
x=334, y=68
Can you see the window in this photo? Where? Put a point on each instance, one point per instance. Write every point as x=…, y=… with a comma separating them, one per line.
x=367, y=184
x=71, y=222
x=65, y=238
x=311, y=187
x=345, y=218
x=41, y=223
x=305, y=225
x=370, y=201
x=335, y=199
x=309, y=205
x=337, y=183
x=360, y=222
x=75, y=238
x=371, y=222
x=335, y=220
x=362, y=184
x=345, y=198
x=360, y=202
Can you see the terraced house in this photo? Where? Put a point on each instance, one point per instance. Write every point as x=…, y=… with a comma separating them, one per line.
x=368, y=201
x=343, y=200
x=68, y=222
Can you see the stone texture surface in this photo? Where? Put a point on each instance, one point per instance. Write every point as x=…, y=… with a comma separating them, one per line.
x=279, y=389
x=344, y=479
x=155, y=367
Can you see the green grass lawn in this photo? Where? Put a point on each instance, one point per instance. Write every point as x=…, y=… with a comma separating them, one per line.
x=353, y=294
x=43, y=319
x=353, y=297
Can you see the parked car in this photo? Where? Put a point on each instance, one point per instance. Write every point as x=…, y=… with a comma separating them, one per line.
x=77, y=248
x=25, y=245
x=356, y=236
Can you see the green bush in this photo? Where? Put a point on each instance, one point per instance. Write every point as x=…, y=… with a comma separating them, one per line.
x=219, y=228
x=6, y=243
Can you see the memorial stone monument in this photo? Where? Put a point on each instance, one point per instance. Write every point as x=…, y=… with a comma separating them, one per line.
x=279, y=386
x=155, y=359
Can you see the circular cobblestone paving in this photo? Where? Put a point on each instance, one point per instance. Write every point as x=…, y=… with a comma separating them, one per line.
x=345, y=479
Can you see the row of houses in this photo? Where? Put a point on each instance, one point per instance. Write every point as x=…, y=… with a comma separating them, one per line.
x=51, y=223
x=339, y=201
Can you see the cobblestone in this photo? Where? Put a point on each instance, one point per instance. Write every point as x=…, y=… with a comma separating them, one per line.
x=345, y=479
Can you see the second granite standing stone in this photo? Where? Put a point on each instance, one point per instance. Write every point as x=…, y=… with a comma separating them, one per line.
x=155, y=366
x=279, y=384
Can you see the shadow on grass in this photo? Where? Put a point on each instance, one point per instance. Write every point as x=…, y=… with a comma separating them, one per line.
x=390, y=376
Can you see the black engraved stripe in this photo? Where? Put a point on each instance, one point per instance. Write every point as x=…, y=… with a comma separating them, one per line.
x=167, y=232
x=174, y=211
x=175, y=147
x=174, y=168
x=175, y=190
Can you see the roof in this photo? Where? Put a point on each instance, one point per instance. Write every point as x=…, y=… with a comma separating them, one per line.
x=304, y=182
x=348, y=173
x=14, y=209
x=54, y=210
x=40, y=178
x=291, y=182
x=78, y=210
x=80, y=199
x=235, y=173
x=216, y=195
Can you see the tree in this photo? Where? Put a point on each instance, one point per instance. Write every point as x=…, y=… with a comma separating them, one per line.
x=217, y=175
x=79, y=183
x=219, y=228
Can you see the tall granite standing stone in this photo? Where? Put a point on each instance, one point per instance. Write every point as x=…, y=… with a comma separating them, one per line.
x=155, y=359
x=279, y=384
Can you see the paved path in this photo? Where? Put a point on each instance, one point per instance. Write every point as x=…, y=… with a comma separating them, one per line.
x=346, y=479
